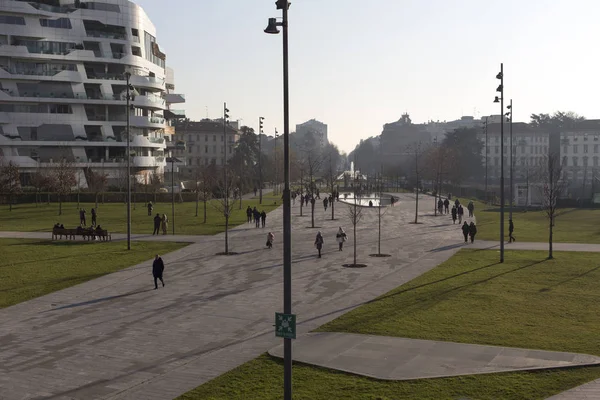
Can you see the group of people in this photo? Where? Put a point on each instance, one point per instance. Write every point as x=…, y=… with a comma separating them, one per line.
x=160, y=222
x=259, y=217
x=340, y=238
x=82, y=219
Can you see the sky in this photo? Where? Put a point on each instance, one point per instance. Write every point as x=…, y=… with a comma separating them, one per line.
x=358, y=64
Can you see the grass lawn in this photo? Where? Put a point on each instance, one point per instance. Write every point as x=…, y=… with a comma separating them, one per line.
x=112, y=216
x=33, y=268
x=526, y=302
x=571, y=226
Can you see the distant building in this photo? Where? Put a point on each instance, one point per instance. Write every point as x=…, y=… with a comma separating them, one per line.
x=317, y=128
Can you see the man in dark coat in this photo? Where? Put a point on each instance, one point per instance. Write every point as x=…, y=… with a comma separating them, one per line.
x=454, y=214
x=249, y=214
x=158, y=267
x=465, y=231
x=472, y=231
x=256, y=217
x=94, y=217
x=511, y=229
x=446, y=206
x=157, y=221
x=263, y=218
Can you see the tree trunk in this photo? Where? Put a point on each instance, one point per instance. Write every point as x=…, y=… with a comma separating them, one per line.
x=240, y=197
x=10, y=201
x=312, y=215
x=354, y=227
x=379, y=233
x=550, y=238
x=48, y=198
x=332, y=206
x=227, y=233
x=417, y=203
x=59, y=205
x=197, y=200
x=204, y=201
x=96, y=199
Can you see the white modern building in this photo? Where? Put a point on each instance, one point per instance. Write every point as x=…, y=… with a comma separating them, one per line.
x=63, y=66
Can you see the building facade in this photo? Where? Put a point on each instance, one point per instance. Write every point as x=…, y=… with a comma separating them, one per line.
x=205, y=143
x=63, y=84
x=317, y=128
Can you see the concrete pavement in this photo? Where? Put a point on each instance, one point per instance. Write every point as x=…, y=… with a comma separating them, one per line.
x=116, y=338
x=394, y=358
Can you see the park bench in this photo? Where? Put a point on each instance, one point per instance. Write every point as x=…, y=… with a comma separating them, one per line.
x=85, y=233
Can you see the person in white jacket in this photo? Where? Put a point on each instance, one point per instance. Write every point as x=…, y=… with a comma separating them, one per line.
x=341, y=237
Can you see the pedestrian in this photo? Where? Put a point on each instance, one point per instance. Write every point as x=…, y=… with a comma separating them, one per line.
x=471, y=208
x=270, y=239
x=457, y=202
x=256, y=214
x=158, y=267
x=446, y=206
x=341, y=237
x=454, y=214
x=465, y=231
x=82, y=217
x=461, y=212
x=255, y=192
x=93, y=217
x=440, y=205
x=249, y=214
x=511, y=229
x=325, y=203
x=370, y=203
x=149, y=208
x=472, y=231
x=157, y=222
x=263, y=218
x=163, y=223
x=294, y=199
x=319, y=242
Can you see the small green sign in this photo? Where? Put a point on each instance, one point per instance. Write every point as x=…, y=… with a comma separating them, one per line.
x=285, y=325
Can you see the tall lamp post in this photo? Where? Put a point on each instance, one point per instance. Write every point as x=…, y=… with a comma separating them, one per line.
x=485, y=131
x=509, y=119
x=128, y=98
x=260, y=132
x=500, y=100
x=226, y=188
x=276, y=188
x=287, y=209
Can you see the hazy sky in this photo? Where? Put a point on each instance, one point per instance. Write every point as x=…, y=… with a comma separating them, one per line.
x=357, y=64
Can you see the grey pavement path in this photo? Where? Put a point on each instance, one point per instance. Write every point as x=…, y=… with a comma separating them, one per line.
x=588, y=391
x=115, y=338
x=395, y=358
x=490, y=245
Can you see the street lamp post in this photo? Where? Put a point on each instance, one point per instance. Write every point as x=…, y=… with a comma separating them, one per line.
x=509, y=114
x=173, y=192
x=225, y=187
x=500, y=100
x=127, y=77
x=287, y=209
x=260, y=132
x=485, y=130
x=78, y=181
x=276, y=188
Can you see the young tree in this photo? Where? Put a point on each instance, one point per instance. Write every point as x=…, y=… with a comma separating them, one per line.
x=10, y=181
x=41, y=180
x=97, y=182
x=355, y=215
x=552, y=186
x=380, y=214
x=416, y=149
x=155, y=182
x=331, y=173
x=313, y=162
x=225, y=203
x=205, y=184
x=63, y=180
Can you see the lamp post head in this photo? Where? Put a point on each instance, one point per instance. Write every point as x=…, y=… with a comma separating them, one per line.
x=497, y=99
x=509, y=106
x=499, y=88
x=499, y=76
x=272, y=26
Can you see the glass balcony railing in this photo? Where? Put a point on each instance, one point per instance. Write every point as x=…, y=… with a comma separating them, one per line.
x=117, y=55
x=109, y=35
x=156, y=120
x=84, y=96
x=34, y=71
x=102, y=75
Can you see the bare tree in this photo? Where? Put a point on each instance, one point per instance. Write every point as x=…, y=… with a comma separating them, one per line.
x=97, y=182
x=205, y=179
x=331, y=173
x=380, y=213
x=416, y=149
x=552, y=186
x=225, y=203
x=313, y=162
x=155, y=182
x=63, y=180
x=355, y=215
x=10, y=181
x=41, y=180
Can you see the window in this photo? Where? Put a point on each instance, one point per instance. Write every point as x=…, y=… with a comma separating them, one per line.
x=221, y=138
x=565, y=149
x=574, y=161
x=230, y=150
x=60, y=109
x=12, y=20
x=585, y=137
x=206, y=149
x=136, y=51
x=214, y=138
x=214, y=149
x=575, y=149
x=585, y=147
x=585, y=161
x=496, y=150
x=496, y=161
x=595, y=161
x=63, y=23
x=564, y=161
x=190, y=149
x=198, y=137
x=206, y=138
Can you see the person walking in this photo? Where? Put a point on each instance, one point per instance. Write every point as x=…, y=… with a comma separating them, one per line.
x=461, y=212
x=270, y=239
x=263, y=218
x=446, y=206
x=249, y=214
x=82, y=217
x=440, y=205
x=158, y=267
x=341, y=237
x=456, y=202
x=163, y=223
x=465, y=231
x=511, y=229
x=94, y=217
x=471, y=208
x=325, y=203
x=149, y=208
x=319, y=242
x=472, y=231
x=454, y=214
x=256, y=215
x=157, y=222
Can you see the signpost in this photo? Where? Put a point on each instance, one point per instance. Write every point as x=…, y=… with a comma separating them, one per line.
x=285, y=325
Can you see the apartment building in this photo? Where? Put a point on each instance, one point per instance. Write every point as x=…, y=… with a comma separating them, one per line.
x=63, y=83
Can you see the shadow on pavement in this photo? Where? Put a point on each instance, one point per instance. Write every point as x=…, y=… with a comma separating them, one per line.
x=85, y=303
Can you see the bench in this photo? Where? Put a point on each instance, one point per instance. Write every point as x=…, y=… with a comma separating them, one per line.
x=89, y=234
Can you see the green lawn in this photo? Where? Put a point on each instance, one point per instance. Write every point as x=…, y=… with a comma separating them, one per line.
x=526, y=302
x=571, y=225
x=112, y=216
x=33, y=268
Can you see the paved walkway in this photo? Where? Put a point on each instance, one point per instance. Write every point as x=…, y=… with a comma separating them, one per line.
x=490, y=245
x=394, y=358
x=116, y=338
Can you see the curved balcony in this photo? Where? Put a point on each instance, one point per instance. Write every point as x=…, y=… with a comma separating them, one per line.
x=147, y=122
x=151, y=82
x=149, y=102
x=148, y=161
x=143, y=141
